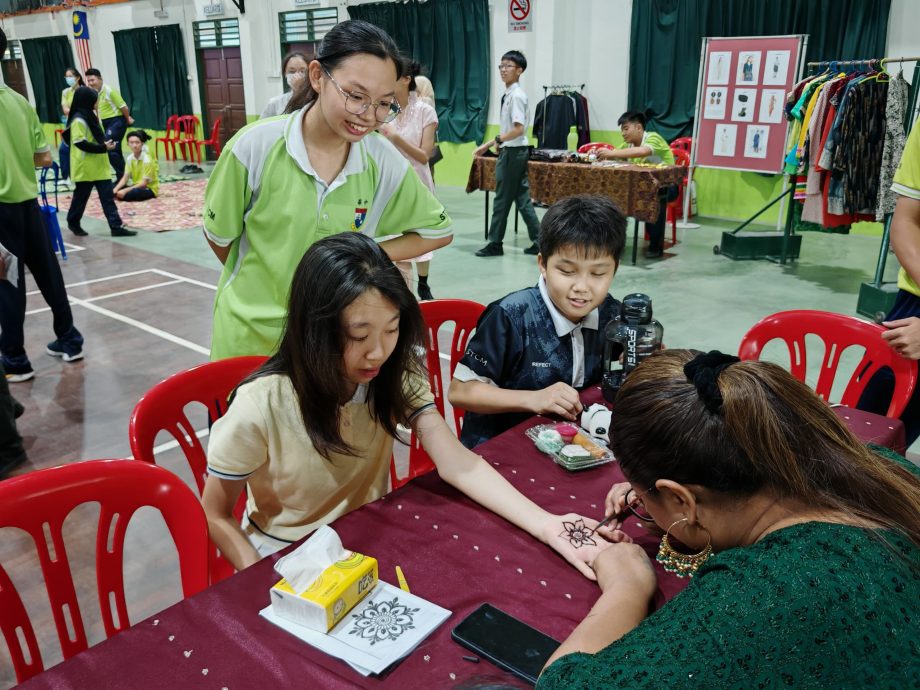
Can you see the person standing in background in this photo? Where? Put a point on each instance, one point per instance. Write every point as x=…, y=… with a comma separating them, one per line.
x=294, y=72
x=413, y=134
x=511, y=183
x=115, y=116
x=74, y=80
x=25, y=244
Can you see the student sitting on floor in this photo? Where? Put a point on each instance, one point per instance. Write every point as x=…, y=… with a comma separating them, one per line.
x=311, y=432
x=141, y=180
x=534, y=348
x=641, y=146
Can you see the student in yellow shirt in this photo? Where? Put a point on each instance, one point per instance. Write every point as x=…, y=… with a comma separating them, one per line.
x=141, y=180
x=74, y=81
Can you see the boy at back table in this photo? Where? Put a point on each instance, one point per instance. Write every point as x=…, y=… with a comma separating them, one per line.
x=534, y=349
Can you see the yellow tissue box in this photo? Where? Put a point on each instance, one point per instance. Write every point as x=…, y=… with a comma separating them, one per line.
x=333, y=594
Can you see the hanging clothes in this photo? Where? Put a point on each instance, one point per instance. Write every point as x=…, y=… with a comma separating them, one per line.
x=894, y=144
x=556, y=114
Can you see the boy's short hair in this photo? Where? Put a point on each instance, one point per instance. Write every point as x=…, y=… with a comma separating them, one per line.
x=588, y=222
x=517, y=57
x=631, y=117
x=93, y=72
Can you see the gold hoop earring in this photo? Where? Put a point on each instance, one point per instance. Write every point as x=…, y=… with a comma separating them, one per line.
x=682, y=564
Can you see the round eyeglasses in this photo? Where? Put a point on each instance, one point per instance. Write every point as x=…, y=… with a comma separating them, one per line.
x=358, y=103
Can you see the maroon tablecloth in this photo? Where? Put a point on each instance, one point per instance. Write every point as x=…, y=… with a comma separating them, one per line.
x=452, y=551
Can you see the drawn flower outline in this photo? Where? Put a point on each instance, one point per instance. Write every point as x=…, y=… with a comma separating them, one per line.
x=578, y=533
x=385, y=620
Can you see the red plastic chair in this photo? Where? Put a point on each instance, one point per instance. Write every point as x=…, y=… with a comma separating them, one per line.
x=58, y=134
x=213, y=142
x=464, y=314
x=188, y=135
x=39, y=502
x=173, y=133
x=838, y=332
x=594, y=146
x=676, y=207
x=683, y=143
x=163, y=408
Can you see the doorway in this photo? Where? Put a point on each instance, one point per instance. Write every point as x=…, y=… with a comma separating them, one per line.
x=14, y=74
x=220, y=75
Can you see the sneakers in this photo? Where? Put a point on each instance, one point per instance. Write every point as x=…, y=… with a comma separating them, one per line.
x=68, y=350
x=123, y=232
x=18, y=369
x=491, y=249
x=532, y=249
x=424, y=292
x=653, y=253
x=77, y=230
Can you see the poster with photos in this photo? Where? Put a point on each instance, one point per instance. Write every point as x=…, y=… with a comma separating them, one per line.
x=719, y=68
x=724, y=142
x=755, y=141
x=714, y=108
x=776, y=68
x=748, y=73
x=743, y=101
x=771, y=105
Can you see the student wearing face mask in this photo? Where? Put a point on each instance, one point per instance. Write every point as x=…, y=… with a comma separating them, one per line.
x=294, y=71
x=74, y=80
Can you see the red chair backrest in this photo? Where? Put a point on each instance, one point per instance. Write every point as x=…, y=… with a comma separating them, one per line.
x=464, y=314
x=172, y=126
x=187, y=126
x=215, y=130
x=681, y=157
x=838, y=332
x=593, y=146
x=683, y=143
x=39, y=502
x=163, y=408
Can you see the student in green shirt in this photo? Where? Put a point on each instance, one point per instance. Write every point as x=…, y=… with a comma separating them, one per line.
x=803, y=544
x=24, y=243
x=283, y=183
x=115, y=116
x=89, y=166
x=641, y=146
x=74, y=81
x=142, y=173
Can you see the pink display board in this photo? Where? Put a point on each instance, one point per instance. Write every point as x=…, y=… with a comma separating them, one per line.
x=743, y=84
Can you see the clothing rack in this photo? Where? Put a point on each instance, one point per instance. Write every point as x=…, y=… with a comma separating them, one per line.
x=881, y=62
x=553, y=88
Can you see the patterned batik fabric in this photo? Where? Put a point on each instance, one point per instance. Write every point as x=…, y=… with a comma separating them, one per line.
x=894, y=144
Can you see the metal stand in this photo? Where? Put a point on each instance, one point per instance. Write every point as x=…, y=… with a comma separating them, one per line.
x=773, y=246
x=685, y=224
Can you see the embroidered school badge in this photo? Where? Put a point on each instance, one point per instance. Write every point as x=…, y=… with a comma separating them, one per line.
x=360, y=215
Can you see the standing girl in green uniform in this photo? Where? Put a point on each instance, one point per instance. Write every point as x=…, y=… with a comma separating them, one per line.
x=282, y=184
x=89, y=164
x=74, y=81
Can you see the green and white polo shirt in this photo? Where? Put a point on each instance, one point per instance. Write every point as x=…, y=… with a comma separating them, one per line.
x=907, y=183
x=21, y=137
x=85, y=166
x=265, y=201
x=110, y=103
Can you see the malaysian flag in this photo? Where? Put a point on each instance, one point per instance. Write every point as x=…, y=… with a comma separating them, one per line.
x=81, y=39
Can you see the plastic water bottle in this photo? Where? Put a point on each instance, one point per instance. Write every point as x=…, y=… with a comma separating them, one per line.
x=571, y=142
x=630, y=337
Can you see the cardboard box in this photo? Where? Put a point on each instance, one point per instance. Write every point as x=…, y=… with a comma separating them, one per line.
x=333, y=594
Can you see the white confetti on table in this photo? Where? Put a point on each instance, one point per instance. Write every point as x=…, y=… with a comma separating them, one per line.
x=475, y=548
x=552, y=488
x=568, y=596
x=520, y=570
x=434, y=526
x=456, y=536
x=453, y=676
x=399, y=506
x=188, y=653
x=171, y=638
x=204, y=671
x=543, y=582
x=572, y=497
x=427, y=658
x=498, y=559
x=416, y=517
x=156, y=621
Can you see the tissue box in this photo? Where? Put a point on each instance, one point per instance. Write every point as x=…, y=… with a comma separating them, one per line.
x=333, y=594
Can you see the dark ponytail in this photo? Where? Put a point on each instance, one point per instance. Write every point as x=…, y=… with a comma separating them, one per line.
x=351, y=37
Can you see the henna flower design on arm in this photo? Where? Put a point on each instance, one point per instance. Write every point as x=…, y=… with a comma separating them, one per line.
x=578, y=533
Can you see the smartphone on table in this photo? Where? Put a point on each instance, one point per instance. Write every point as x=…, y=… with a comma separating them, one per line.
x=506, y=641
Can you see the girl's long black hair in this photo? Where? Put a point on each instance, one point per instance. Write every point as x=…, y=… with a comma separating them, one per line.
x=84, y=98
x=332, y=274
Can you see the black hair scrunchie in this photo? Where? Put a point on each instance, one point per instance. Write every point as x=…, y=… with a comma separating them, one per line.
x=703, y=372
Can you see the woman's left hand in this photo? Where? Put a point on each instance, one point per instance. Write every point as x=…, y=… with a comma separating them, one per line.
x=573, y=537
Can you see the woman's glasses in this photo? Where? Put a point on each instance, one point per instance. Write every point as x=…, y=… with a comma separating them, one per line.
x=358, y=103
x=635, y=505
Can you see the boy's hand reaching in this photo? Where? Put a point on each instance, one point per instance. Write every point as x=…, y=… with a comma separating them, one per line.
x=559, y=399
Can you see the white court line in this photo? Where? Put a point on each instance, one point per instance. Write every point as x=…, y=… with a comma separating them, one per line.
x=113, y=294
x=142, y=326
x=167, y=274
x=98, y=280
x=169, y=445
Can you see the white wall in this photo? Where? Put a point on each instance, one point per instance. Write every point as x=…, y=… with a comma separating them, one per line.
x=903, y=37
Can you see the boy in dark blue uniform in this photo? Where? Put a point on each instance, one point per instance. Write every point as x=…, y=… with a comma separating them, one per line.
x=533, y=349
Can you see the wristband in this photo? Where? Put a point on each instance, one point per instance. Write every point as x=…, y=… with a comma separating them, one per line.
x=498, y=140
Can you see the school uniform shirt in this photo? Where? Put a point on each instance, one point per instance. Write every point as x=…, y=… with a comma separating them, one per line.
x=110, y=103
x=67, y=98
x=266, y=203
x=292, y=488
x=276, y=105
x=84, y=166
x=144, y=168
x=523, y=342
x=661, y=150
x=514, y=110
x=21, y=137
x=907, y=183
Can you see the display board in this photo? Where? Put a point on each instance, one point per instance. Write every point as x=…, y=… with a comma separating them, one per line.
x=740, y=124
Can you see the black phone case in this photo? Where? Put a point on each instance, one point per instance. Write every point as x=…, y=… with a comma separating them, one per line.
x=488, y=655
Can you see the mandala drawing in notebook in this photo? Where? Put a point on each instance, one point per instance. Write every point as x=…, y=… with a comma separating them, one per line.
x=383, y=621
x=577, y=533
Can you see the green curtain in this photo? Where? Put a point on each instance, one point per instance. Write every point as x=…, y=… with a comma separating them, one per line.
x=451, y=40
x=47, y=58
x=153, y=74
x=664, y=56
